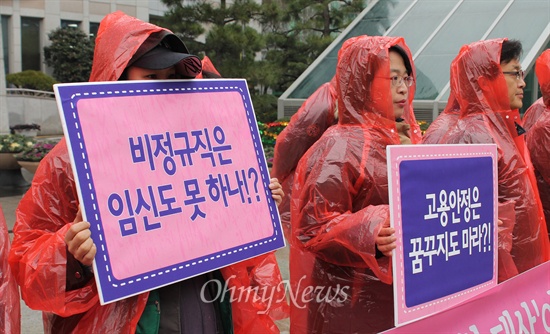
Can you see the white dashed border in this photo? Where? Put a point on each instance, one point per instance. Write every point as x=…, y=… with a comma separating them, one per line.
x=77, y=96
x=398, y=189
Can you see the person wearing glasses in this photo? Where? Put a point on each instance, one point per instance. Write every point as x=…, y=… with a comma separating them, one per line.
x=341, y=240
x=487, y=81
x=536, y=121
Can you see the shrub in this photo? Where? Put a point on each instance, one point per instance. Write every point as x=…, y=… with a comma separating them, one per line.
x=36, y=152
x=31, y=79
x=14, y=143
x=424, y=125
x=269, y=133
x=265, y=107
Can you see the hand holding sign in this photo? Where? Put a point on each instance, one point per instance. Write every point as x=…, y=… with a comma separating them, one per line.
x=276, y=190
x=79, y=241
x=385, y=241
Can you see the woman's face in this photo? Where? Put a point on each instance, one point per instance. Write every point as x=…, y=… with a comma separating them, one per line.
x=398, y=84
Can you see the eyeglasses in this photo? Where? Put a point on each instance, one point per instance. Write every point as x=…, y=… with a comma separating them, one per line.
x=519, y=74
x=396, y=81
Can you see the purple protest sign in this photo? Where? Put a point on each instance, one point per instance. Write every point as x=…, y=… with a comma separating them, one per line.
x=443, y=207
x=171, y=176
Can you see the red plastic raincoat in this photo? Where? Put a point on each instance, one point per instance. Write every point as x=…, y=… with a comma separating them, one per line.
x=537, y=123
x=10, y=309
x=39, y=258
x=315, y=115
x=207, y=66
x=340, y=201
x=485, y=117
x=443, y=123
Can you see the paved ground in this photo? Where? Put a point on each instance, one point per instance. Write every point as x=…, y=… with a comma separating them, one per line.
x=12, y=187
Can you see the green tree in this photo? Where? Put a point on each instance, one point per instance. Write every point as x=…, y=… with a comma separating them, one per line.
x=225, y=28
x=31, y=79
x=300, y=30
x=70, y=54
x=270, y=44
x=229, y=40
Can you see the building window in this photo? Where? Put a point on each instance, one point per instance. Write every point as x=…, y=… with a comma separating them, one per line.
x=94, y=27
x=69, y=23
x=5, y=42
x=30, y=43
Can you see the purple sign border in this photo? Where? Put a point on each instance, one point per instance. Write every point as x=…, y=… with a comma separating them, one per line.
x=397, y=154
x=112, y=289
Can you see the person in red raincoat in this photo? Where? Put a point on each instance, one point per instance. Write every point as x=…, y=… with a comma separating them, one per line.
x=314, y=117
x=487, y=81
x=536, y=122
x=52, y=249
x=341, y=242
x=10, y=309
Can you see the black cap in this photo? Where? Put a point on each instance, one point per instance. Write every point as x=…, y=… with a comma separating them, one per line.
x=163, y=50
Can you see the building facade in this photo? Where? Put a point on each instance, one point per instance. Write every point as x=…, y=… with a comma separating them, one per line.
x=25, y=24
x=24, y=29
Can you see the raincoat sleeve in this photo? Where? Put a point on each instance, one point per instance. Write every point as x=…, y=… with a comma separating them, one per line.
x=330, y=221
x=39, y=257
x=10, y=310
x=257, y=294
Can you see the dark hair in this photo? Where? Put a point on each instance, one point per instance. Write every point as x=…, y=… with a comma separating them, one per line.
x=405, y=57
x=511, y=49
x=124, y=75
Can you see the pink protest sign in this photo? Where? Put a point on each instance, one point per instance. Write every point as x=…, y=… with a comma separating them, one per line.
x=172, y=177
x=518, y=305
x=443, y=208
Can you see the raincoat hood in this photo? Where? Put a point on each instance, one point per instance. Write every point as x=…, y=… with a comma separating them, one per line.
x=208, y=66
x=537, y=123
x=477, y=80
x=364, y=64
x=542, y=69
x=540, y=107
x=120, y=37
